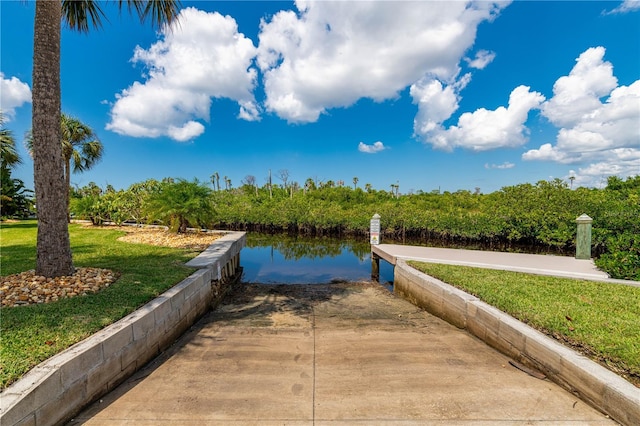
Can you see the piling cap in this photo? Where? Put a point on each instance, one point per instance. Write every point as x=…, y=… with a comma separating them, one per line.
x=583, y=218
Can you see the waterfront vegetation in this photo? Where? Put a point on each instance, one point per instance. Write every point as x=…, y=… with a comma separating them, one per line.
x=601, y=320
x=31, y=334
x=527, y=217
x=598, y=319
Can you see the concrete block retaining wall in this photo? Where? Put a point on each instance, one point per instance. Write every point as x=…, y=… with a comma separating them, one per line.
x=593, y=383
x=57, y=389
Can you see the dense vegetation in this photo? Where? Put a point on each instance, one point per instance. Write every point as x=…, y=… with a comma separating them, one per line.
x=538, y=217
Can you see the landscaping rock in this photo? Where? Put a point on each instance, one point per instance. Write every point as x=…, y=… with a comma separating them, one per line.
x=27, y=288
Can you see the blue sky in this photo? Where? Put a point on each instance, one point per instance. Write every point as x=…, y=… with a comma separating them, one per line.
x=449, y=95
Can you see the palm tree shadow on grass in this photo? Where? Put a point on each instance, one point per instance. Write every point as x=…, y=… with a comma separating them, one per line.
x=24, y=225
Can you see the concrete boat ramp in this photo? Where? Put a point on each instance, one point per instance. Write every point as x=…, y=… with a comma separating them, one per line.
x=331, y=354
x=355, y=354
x=339, y=354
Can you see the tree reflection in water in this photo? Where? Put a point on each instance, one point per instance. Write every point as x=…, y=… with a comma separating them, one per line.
x=288, y=259
x=297, y=247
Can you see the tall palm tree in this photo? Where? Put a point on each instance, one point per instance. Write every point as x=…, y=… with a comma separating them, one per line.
x=215, y=181
x=53, y=256
x=81, y=149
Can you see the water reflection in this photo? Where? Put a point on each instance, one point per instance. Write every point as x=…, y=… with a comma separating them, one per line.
x=294, y=259
x=286, y=259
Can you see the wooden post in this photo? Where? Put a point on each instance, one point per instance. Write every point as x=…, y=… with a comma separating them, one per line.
x=375, y=267
x=374, y=239
x=374, y=229
x=583, y=237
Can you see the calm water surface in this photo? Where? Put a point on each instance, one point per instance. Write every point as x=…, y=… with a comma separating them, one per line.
x=287, y=259
x=283, y=259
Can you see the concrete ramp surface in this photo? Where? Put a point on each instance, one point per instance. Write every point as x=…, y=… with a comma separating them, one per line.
x=336, y=354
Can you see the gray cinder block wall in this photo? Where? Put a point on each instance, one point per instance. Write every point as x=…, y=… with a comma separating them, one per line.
x=593, y=383
x=57, y=389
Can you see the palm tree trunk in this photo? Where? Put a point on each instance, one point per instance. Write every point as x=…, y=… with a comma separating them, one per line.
x=53, y=256
x=67, y=183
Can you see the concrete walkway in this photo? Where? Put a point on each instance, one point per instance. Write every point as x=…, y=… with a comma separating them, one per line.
x=337, y=354
x=560, y=266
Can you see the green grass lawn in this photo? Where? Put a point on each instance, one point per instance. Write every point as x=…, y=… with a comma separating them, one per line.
x=31, y=334
x=599, y=319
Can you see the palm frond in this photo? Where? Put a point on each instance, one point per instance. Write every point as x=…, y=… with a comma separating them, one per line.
x=8, y=151
x=78, y=14
x=159, y=12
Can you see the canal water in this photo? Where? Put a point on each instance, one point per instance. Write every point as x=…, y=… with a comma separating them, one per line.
x=293, y=259
x=284, y=259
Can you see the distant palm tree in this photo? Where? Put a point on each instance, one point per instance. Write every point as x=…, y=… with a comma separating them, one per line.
x=215, y=180
x=355, y=182
x=53, y=249
x=81, y=149
x=8, y=151
x=11, y=189
x=394, y=190
x=309, y=185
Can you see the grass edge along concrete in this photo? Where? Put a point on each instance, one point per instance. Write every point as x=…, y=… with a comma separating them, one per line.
x=58, y=388
x=593, y=383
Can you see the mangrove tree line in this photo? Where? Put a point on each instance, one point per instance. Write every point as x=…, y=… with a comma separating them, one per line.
x=539, y=217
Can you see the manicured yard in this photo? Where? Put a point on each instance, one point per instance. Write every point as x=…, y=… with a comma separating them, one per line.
x=31, y=334
x=599, y=319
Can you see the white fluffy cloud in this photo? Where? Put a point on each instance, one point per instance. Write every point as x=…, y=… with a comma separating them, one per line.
x=619, y=162
x=436, y=103
x=579, y=93
x=482, y=59
x=201, y=57
x=13, y=94
x=330, y=54
x=604, y=135
x=503, y=166
x=371, y=149
x=627, y=6
x=480, y=130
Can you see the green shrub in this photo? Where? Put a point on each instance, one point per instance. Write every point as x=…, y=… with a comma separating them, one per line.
x=180, y=204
